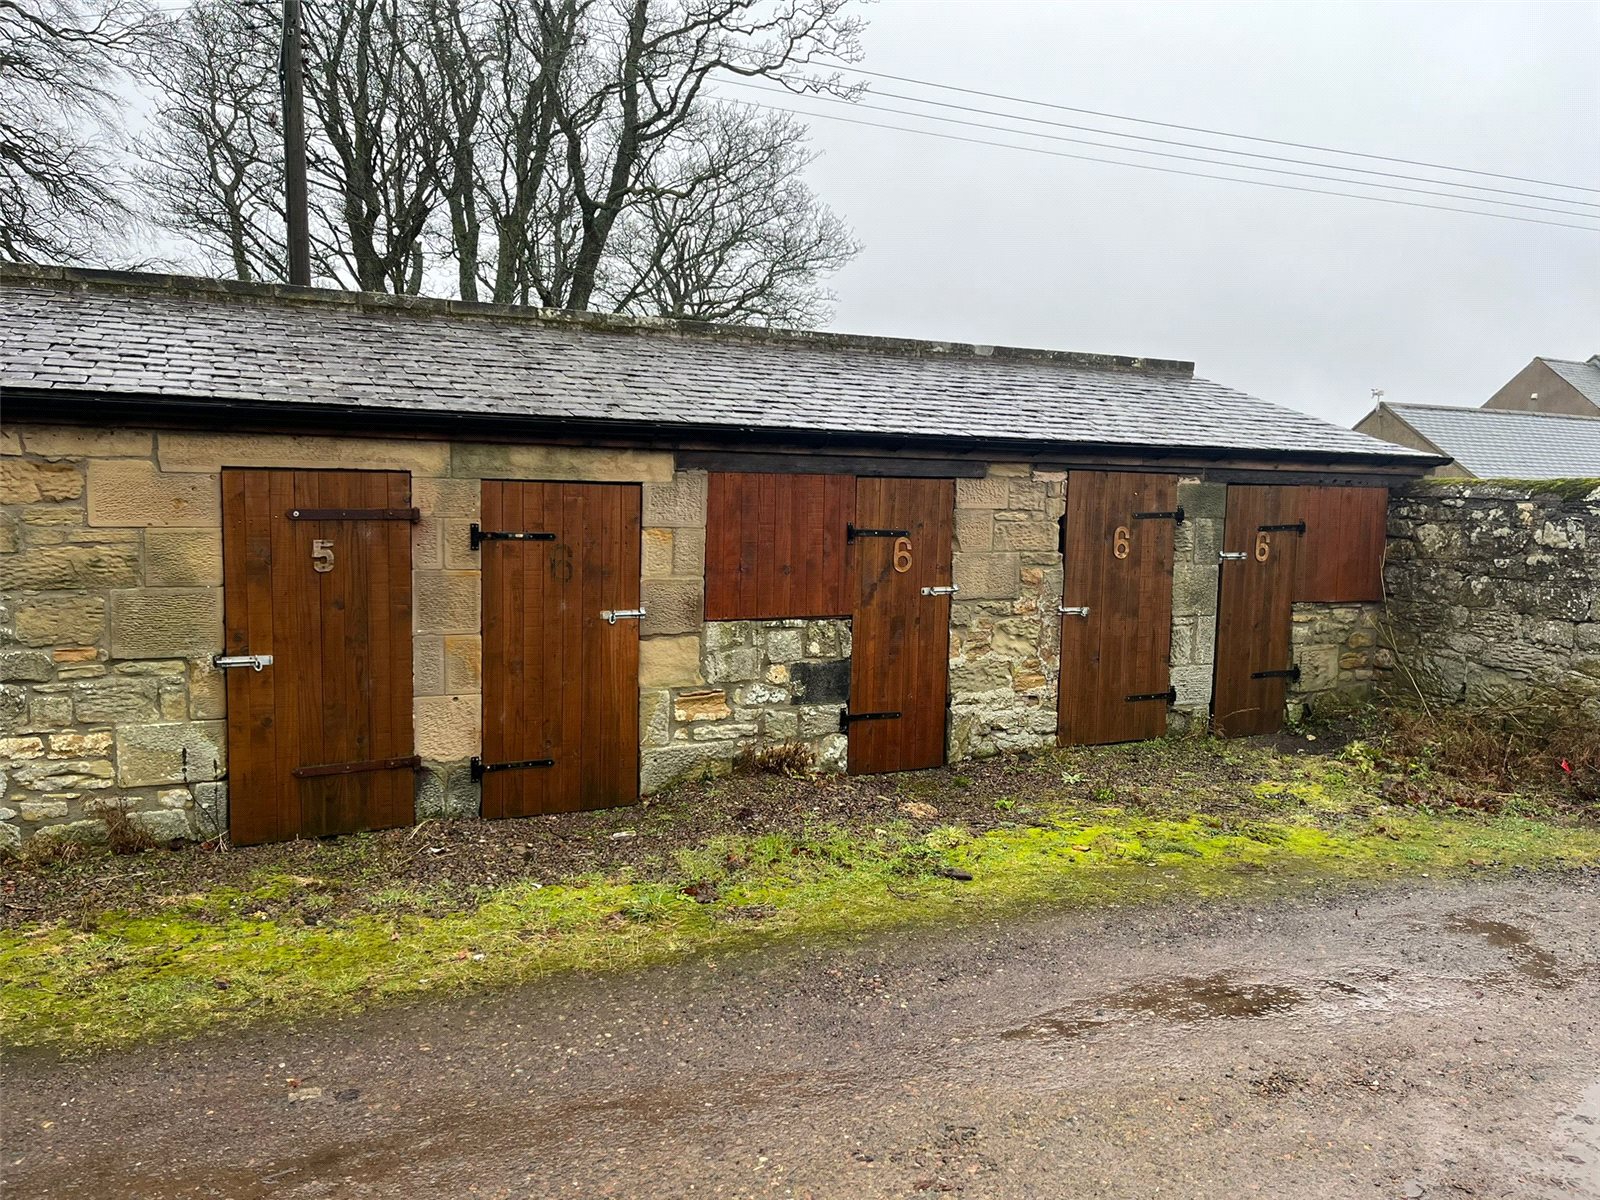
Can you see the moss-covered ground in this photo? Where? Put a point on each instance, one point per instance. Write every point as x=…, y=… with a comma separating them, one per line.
x=111, y=951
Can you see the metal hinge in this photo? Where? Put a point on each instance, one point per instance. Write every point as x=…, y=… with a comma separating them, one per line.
x=478, y=536
x=851, y=533
x=942, y=591
x=1170, y=696
x=612, y=615
x=1292, y=673
x=1175, y=516
x=1069, y=611
x=480, y=768
x=356, y=514
x=846, y=719
x=404, y=762
x=1298, y=527
x=254, y=661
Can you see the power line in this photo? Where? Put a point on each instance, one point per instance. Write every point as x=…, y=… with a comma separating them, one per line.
x=1304, y=162
x=1446, y=195
x=1090, y=112
x=1283, y=187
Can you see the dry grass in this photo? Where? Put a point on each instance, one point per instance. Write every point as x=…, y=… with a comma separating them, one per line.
x=1489, y=750
x=794, y=760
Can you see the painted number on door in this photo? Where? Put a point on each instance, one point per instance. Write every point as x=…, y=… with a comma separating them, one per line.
x=561, y=563
x=1122, y=543
x=321, y=555
x=902, y=554
x=1263, y=547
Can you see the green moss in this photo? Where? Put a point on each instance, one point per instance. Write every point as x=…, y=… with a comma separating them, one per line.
x=264, y=952
x=1570, y=490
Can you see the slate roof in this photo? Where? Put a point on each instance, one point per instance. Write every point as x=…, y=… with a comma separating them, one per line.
x=190, y=340
x=1585, y=376
x=1498, y=443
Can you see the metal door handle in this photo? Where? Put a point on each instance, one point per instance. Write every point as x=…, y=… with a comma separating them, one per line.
x=254, y=661
x=1232, y=555
x=942, y=591
x=1073, y=612
x=612, y=615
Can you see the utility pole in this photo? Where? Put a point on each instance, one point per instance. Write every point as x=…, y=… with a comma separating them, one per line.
x=291, y=72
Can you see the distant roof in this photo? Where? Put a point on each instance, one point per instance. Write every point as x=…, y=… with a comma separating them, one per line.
x=1499, y=443
x=204, y=344
x=1585, y=376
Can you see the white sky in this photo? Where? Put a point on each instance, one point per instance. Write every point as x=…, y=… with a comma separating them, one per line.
x=1307, y=300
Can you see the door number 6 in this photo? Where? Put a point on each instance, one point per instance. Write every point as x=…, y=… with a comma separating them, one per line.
x=902, y=554
x=1121, y=544
x=1263, y=547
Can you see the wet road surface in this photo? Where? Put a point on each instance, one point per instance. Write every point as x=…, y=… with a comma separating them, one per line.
x=1440, y=1041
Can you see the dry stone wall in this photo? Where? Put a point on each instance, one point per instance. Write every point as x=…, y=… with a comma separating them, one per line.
x=1494, y=590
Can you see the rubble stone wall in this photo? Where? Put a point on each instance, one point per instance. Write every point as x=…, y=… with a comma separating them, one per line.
x=1494, y=590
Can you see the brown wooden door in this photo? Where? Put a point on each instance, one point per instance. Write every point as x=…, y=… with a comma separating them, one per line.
x=317, y=573
x=900, y=655
x=560, y=680
x=1255, y=609
x=1116, y=658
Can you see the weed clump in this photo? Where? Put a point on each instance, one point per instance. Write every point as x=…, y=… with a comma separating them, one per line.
x=794, y=760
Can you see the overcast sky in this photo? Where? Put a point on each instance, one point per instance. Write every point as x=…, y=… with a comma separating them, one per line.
x=1306, y=300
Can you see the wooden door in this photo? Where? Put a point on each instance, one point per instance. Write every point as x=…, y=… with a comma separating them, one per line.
x=317, y=574
x=560, y=647
x=1116, y=656
x=1255, y=609
x=900, y=635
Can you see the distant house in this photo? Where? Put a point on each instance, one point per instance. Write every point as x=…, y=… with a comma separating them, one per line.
x=1552, y=385
x=1494, y=443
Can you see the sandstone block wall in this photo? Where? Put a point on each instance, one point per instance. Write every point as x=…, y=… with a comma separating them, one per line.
x=1494, y=591
x=1336, y=647
x=1004, y=630
x=1195, y=572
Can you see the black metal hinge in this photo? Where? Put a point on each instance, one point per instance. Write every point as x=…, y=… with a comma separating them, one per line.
x=1292, y=673
x=479, y=536
x=481, y=768
x=1170, y=696
x=846, y=719
x=852, y=532
x=1175, y=516
x=1298, y=527
x=356, y=514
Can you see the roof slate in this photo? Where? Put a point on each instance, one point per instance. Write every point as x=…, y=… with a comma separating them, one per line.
x=155, y=337
x=1585, y=376
x=1499, y=443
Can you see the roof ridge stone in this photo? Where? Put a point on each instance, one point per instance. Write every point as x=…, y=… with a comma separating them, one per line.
x=83, y=278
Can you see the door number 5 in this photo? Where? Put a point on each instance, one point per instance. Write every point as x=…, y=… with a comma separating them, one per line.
x=902, y=554
x=321, y=555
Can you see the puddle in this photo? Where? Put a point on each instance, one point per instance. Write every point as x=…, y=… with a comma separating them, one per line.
x=1185, y=1000
x=1526, y=957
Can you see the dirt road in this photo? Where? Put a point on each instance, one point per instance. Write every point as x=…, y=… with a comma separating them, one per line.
x=1442, y=1041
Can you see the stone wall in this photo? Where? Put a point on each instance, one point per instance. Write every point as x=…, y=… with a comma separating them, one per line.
x=1195, y=572
x=1005, y=634
x=1336, y=648
x=1494, y=590
x=757, y=685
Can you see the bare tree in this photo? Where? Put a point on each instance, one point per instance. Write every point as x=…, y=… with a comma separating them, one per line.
x=510, y=141
x=59, y=192
x=214, y=167
x=724, y=228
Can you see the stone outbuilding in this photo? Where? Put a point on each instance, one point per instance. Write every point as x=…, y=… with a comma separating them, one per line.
x=286, y=562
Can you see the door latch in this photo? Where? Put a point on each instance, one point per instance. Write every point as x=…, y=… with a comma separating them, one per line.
x=1065, y=611
x=942, y=591
x=1232, y=555
x=612, y=615
x=254, y=661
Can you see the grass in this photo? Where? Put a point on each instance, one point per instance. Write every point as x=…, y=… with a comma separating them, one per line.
x=1222, y=819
